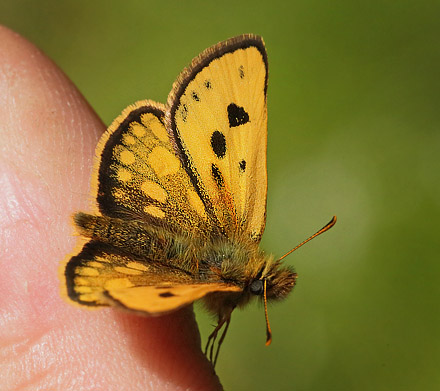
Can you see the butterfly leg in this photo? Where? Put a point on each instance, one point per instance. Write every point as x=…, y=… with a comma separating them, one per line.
x=220, y=341
x=212, y=338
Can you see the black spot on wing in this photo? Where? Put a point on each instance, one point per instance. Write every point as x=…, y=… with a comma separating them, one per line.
x=237, y=115
x=195, y=96
x=241, y=71
x=217, y=175
x=242, y=166
x=166, y=294
x=207, y=84
x=218, y=144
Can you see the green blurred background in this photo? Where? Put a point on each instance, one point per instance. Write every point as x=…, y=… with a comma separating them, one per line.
x=353, y=130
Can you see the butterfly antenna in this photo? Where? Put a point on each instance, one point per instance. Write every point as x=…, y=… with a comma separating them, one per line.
x=268, y=330
x=322, y=230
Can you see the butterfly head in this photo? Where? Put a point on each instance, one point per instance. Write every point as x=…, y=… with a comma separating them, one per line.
x=279, y=280
x=273, y=282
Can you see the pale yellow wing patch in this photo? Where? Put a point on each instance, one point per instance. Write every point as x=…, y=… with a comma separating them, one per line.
x=218, y=117
x=140, y=176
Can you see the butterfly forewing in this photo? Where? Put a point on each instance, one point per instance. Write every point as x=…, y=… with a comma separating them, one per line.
x=141, y=177
x=218, y=118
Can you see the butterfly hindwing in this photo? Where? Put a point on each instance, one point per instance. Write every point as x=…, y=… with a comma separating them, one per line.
x=141, y=177
x=218, y=118
x=99, y=267
x=101, y=275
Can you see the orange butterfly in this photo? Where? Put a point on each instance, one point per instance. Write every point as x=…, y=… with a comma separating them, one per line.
x=181, y=195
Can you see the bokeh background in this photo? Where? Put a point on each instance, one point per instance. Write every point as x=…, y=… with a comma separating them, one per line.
x=354, y=130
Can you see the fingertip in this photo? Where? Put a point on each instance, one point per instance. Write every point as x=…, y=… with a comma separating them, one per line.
x=49, y=137
x=169, y=347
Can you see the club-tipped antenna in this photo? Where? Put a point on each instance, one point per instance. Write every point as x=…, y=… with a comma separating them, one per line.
x=322, y=230
x=268, y=330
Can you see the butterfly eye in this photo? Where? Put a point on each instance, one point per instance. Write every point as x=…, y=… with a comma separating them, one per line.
x=257, y=287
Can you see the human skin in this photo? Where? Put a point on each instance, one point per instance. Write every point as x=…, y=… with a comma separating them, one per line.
x=48, y=134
